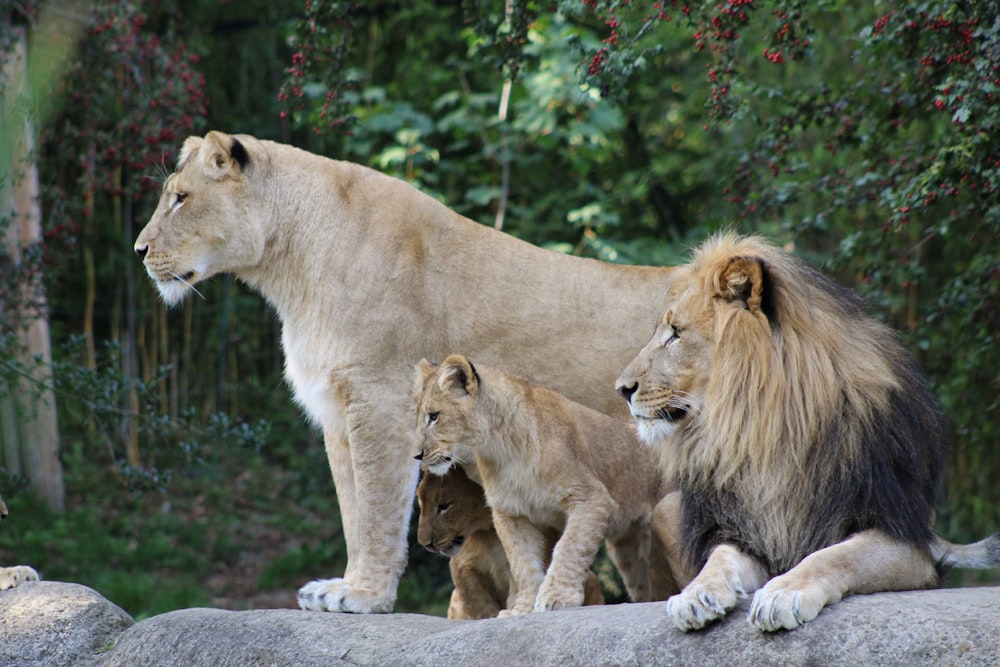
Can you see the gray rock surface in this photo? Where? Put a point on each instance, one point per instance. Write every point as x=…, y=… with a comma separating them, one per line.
x=65, y=624
x=52, y=623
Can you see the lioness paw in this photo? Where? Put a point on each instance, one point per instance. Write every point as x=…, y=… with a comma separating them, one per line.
x=16, y=575
x=339, y=595
x=781, y=607
x=700, y=604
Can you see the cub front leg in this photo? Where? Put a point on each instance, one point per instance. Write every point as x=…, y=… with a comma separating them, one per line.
x=631, y=555
x=867, y=562
x=524, y=545
x=586, y=525
x=728, y=575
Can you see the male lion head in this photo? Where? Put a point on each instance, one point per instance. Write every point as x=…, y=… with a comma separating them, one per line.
x=446, y=413
x=452, y=507
x=209, y=219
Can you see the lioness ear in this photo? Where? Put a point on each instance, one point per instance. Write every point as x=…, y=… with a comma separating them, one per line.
x=459, y=376
x=190, y=147
x=222, y=154
x=741, y=279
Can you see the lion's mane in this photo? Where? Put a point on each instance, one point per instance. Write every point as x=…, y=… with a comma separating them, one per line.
x=816, y=422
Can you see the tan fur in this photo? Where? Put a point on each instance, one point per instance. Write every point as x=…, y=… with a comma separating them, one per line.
x=368, y=276
x=456, y=522
x=14, y=575
x=545, y=462
x=762, y=386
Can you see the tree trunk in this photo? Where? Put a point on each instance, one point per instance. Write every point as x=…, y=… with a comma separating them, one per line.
x=30, y=431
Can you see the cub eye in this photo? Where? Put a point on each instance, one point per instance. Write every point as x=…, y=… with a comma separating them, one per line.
x=443, y=507
x=432, y=417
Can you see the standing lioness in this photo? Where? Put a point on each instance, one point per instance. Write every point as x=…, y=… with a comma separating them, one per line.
x=545, y=462
x=368, y=276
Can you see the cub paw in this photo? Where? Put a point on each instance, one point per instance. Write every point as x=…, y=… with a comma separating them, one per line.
x=341, y=596
x=779, y=606
x=16, y=575
x=700, y=604
x=553, y=596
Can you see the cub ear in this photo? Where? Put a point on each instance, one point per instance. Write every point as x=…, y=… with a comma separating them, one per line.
x=223, y=155
x=740, y=279
x=459, y=376
x=426, y=368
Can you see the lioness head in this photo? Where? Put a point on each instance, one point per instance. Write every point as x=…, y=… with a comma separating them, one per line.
x=208, y=219
x=446, y=413
x=452, y=507
x=667, y=381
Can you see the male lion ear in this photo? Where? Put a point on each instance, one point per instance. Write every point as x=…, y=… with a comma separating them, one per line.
x=741, y=279
x=458, y=375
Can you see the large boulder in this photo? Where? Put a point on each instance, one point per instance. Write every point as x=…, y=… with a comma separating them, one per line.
x=52, y=623
x=56, y=624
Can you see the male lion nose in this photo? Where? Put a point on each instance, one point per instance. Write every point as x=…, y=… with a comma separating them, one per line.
x=627, y=390
x=141, y=250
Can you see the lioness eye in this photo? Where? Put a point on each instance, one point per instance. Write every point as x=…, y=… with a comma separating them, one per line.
x=432, y=417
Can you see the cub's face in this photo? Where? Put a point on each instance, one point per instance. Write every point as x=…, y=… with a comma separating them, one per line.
x=452, y=507
x=665, y=383
x=204, y=223
x=446, y=414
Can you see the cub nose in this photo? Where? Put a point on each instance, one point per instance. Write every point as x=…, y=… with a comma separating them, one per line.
x=420, y=456
x=141, y=250
x=627, y=390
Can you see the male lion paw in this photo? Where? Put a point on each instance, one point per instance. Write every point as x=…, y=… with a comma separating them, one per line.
x=16, y=575
x=339, y=595
x=778, y=606
x=700, y=604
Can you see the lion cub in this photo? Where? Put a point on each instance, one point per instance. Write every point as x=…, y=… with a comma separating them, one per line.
x=545, y=462
x=456, y=522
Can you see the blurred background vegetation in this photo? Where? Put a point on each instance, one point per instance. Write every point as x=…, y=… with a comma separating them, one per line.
x=862, y=136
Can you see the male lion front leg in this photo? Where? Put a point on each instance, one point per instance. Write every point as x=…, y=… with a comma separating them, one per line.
x=380, y=481
x=524, y=545
x=728, y=575
x=867, y=562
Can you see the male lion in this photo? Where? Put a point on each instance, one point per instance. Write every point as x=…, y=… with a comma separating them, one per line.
x=456, y=522
x=545, y=463
x=807, y=447
x=14, y=575
x=368, y=275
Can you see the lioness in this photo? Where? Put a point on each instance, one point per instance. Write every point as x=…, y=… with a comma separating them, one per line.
x=14, y=575
x=806, y=444
x=368, y=275
x=456, y=522
x=545, y=462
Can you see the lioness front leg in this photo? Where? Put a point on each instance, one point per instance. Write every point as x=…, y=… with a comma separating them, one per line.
x=524, y=545
x=586, y=525
x=728, y=575
x=380, y=481
x=867, y=562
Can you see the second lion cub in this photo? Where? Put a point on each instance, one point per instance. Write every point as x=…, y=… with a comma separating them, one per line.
x=545, y=462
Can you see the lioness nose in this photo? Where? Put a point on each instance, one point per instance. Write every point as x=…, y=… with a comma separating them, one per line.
x=141, y=250
x=627, y=390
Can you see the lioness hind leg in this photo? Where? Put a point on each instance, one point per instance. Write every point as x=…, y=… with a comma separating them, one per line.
x=16, y=575
x=728, y=575
x=867, y=562
x=630, y=554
